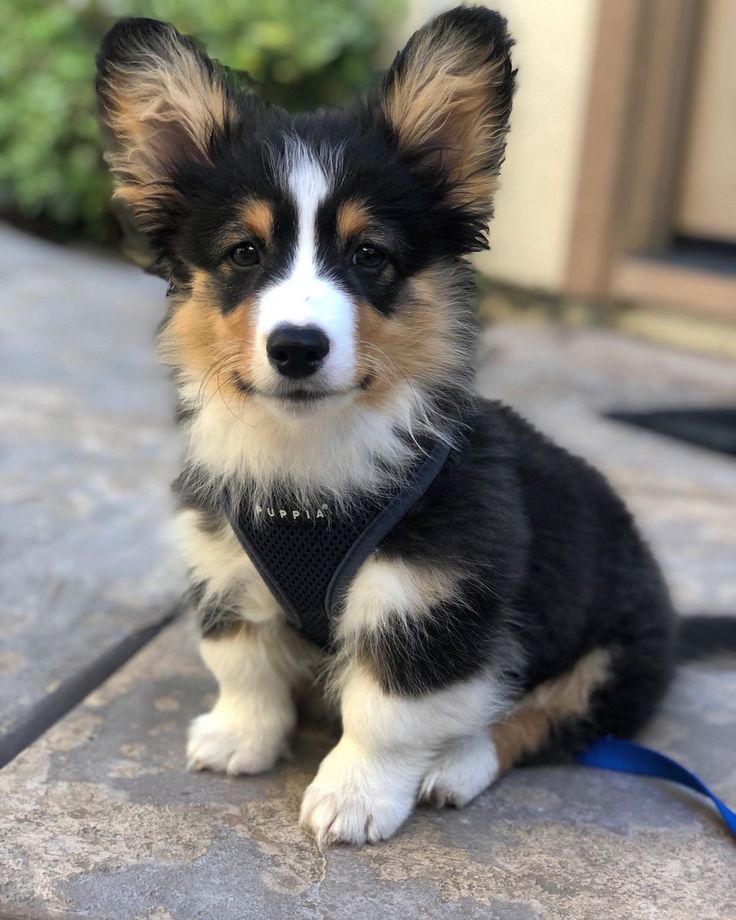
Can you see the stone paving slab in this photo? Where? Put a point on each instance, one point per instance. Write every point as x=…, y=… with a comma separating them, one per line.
x=88, y=453
x=100, y=819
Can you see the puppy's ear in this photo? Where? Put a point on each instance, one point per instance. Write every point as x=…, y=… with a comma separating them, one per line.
x=447, y=101
x=164, y=102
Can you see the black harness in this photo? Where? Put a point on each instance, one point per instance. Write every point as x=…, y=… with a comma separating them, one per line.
x=309, y=555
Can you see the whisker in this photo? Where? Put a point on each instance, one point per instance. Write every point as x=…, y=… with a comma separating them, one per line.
x=226, y=404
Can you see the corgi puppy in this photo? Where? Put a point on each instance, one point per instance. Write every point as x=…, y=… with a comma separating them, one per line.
x=320, y=332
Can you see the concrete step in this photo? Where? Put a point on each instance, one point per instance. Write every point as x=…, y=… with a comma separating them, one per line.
x=100, y=819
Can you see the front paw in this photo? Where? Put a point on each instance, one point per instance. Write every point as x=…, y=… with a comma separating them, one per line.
x=218, y=743
x=356, y=800
x=461, y=772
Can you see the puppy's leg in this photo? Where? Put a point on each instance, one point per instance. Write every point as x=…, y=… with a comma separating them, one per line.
x=255, y=657
x=367, y=785
x=400, y=701
x=248, y=728
x=461, y=772
x=448, y=746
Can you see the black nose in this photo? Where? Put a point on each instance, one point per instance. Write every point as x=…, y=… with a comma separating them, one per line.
x=297, y=351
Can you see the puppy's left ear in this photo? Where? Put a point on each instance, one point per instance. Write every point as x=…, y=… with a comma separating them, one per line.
x=447, y=101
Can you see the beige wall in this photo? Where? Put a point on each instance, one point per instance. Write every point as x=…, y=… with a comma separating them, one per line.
x=534, y=208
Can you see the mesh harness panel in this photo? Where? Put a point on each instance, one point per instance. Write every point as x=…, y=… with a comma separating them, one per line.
x=309, y=556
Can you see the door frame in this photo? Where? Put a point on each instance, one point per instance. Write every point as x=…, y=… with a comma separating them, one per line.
x=636, y=120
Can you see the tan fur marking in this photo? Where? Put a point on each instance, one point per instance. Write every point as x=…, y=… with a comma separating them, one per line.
x=530, y=726
x=200, y=338
x=418, y=343
x=353, y=218
x=258, y=219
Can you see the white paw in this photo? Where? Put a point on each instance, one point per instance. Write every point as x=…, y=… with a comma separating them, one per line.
x=355, y=800
x=461, y=772
x=217, y=743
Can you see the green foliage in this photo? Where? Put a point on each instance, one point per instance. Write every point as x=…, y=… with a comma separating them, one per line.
x=303, y=52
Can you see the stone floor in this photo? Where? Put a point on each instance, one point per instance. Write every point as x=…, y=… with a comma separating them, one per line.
x=88, y=452
x=98, y=817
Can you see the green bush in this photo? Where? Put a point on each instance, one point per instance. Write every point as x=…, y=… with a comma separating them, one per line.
x=303, y=52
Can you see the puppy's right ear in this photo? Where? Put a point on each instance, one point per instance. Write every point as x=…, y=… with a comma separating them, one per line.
x=164, y=102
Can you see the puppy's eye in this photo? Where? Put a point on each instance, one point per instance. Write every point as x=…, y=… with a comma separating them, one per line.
x=244, y=255
x=368, y=257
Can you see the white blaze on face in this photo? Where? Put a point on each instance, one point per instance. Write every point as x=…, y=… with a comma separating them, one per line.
x=304, y=298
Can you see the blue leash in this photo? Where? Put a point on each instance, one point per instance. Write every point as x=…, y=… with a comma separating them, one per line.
x=627, y=757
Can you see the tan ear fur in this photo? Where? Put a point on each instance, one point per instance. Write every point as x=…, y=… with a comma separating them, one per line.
x=448, y=99
x=163, y=100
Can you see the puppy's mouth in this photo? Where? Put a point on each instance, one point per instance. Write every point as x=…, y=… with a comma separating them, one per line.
x=299, y=396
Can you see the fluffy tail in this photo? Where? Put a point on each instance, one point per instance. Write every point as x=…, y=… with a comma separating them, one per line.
x=705, y=636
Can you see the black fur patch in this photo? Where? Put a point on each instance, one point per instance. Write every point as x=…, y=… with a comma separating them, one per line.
x=553, y=567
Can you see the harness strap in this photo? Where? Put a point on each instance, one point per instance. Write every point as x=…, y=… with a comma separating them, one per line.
x=627, y=757
x=309, y=555
x=384, y=522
